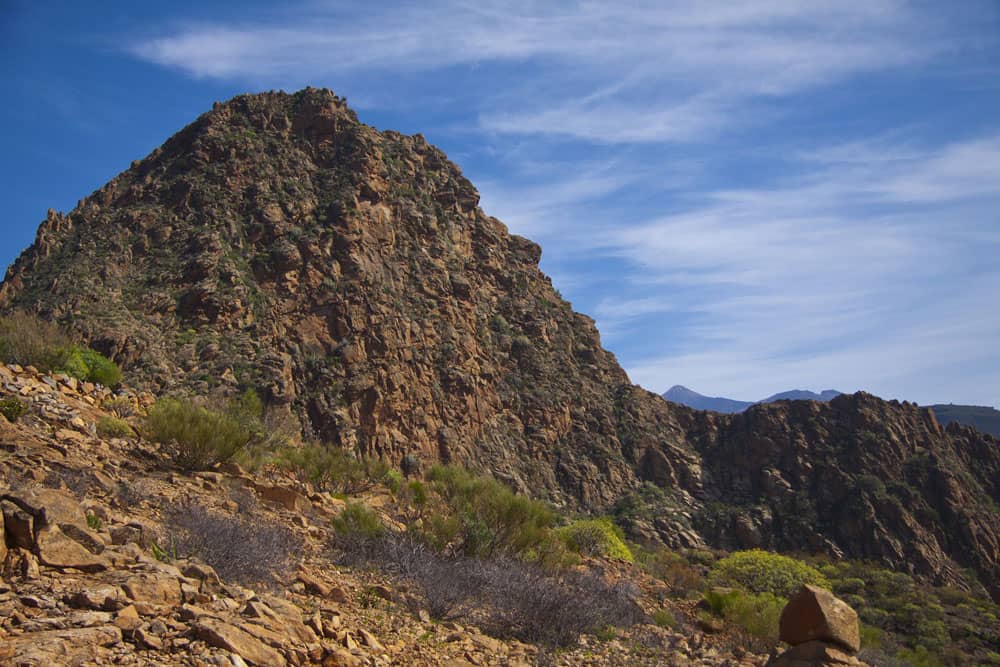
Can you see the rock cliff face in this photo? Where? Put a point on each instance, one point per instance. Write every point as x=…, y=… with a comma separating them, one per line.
x=350, y=276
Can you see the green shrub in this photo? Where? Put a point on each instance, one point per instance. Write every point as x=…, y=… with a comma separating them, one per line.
x=94, y=522
x=393, y=479
x=664, y=618
x=918, y=657
x=596, y=537
x=330, y=468
x=359, y=521
x=493, y=519
x=758, y=571
x=12, y=409
x=756, y=613
x=199, y=437
x=113, y=427
x=417, y=493
x=100, y=369
x=85, y=364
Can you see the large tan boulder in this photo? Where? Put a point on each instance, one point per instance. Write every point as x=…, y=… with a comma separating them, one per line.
x=51, y=508
x=57, y=550
x=817, y=614
x=223, y=635
x=153, y=588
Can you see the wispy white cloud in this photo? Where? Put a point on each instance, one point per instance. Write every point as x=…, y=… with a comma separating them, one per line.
x=610, y=72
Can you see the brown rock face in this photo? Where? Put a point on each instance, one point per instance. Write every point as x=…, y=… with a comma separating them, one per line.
x=350, y=276
x=816, y=614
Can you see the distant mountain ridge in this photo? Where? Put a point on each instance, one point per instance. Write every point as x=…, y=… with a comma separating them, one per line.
x=692, y=399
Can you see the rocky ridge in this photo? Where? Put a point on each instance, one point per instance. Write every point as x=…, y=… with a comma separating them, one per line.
x=350, y=276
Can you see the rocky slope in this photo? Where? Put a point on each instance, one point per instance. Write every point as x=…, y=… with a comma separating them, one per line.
x=84, y=580
x=350, y=276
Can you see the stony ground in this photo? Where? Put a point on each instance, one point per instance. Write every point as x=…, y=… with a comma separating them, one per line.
x=83, y=585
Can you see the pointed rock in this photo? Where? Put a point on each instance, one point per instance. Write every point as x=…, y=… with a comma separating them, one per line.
x=815, y=613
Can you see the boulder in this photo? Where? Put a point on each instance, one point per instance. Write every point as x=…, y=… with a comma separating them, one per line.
x=153, y=588
x=816, y=614
x=52, y=507
x=222, y=635
x=73, y=646
x=57, y=550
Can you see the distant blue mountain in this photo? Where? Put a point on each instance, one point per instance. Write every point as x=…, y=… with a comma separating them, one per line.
x=802, y=395
x=693, y=399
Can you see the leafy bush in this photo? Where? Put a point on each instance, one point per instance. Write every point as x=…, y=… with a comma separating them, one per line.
x=758, y=571
x=596, y=537
x=757, y=614
x=100, y=369
x=113, y=427
x=12, y=409
x=490, y=518
x=358, y=521
x=332, y=469
x=394, y=480
x=199, y=437
x=243, y=548
x=665, y=618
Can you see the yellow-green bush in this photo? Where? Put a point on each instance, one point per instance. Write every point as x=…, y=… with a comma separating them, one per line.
x=113, y=427
x=357, y=520
x=596, y=537
x=758, y=571
x=12, y=409
x=756, y=613
x=330, y=468
x=91, y=366
x=492, y=518
x=200, y=437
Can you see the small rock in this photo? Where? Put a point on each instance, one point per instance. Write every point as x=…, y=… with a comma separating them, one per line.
x=147, y=639
x=314, y=585
x=128, y=618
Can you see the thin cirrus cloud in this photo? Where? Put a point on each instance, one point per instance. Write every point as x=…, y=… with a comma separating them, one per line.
x=715, y=182
x=853, y=271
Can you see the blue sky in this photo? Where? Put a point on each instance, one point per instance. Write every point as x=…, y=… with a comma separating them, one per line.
x=748, y=197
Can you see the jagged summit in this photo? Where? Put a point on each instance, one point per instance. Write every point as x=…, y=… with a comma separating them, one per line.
x=349, y=275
